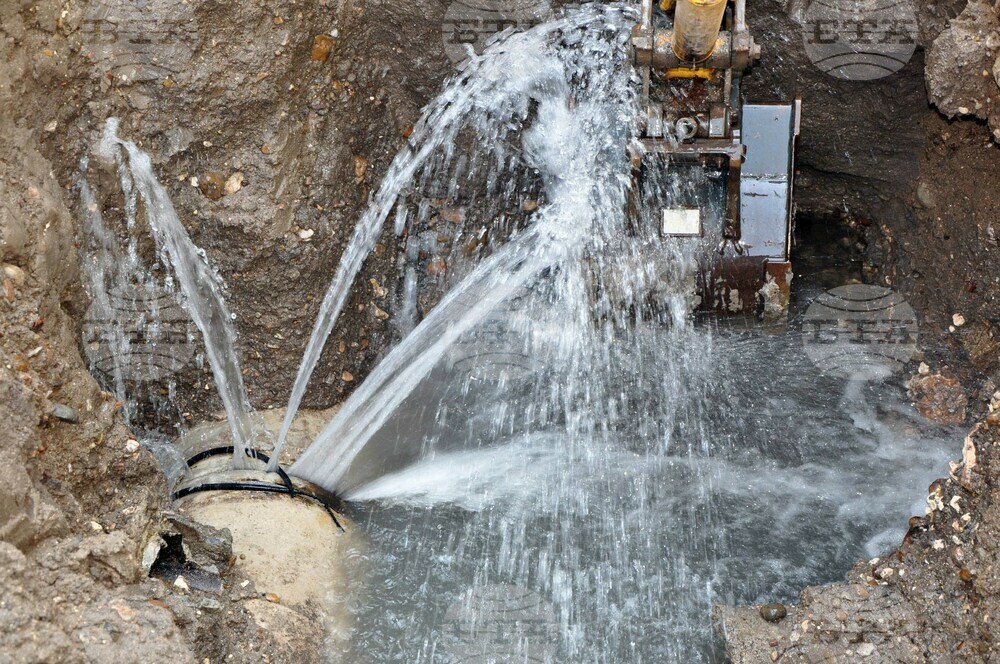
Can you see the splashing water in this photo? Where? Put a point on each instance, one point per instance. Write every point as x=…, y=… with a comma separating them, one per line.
x=135, y=335
x=107, y=270
x=601, y=469
x=199, y=285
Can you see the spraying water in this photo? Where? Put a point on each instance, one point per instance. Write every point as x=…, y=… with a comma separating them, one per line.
x=101, y=260
x=601, y=468
x=577, y=260
x=491, y=99
x=135, y=335
x=200, y=287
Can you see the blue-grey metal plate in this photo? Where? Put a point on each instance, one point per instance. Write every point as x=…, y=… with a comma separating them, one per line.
x=768, y=131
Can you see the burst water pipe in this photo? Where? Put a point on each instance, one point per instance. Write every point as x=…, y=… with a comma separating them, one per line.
x=289, y=537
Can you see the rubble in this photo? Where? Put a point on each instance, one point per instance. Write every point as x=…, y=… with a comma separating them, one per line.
x=938, y=397
x=962, y=65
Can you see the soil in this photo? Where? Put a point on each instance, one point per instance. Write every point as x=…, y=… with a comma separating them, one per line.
x=309, y=102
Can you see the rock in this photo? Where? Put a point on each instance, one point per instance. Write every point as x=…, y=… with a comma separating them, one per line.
x=379, y=313
x=360, y=167
x=982, y=344
x=150, y=552
x=939, y=398
x=202, y=544
x=773, y=612
x=955, y=60
x=865, y=649
x=124, y=611
x=925, y=195
x=306, y=233
x=181, y=584
x=234, y=183
x=347, y=376
x=109, y=558
x=322, y=45
x=64, y=413
x=212, y=185
x=377, y=289
x=210, y=604
x=14, y=274
x=139, y=101
x=177, y=140
x=958, y=320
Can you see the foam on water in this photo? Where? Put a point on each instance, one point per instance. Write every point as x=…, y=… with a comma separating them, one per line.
x=631, y=536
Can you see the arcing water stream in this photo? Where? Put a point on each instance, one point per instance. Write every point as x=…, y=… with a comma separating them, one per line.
x=572, y=137
x=200, y=287
x=493, y=99
x=558, y=464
